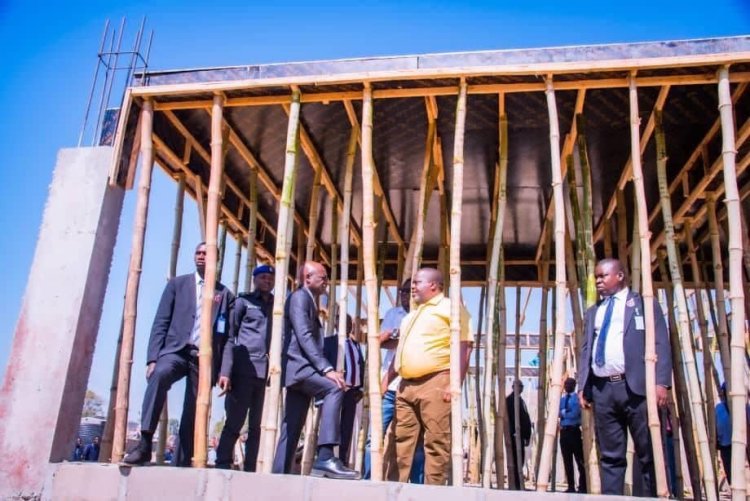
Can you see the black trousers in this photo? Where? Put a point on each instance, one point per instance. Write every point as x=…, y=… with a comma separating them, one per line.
x=726, y=460
x=298, y=398
x=245, y=400
x=348, y=412
x=571, y=447
x=169, y=369
x=617, y=409
x=517, y=474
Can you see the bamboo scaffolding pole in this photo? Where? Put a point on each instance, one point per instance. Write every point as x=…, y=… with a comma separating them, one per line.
x=737, y=392
x=133, y=283
x=343, y=305
x=518, y=442
x=237, y=265
x=572, y=206
x=312, y=425
x=313, y=217
x=477, y=395
x=492, y=298
x=210, y=279
x=680, y=379
x=662, y=489
x=252, y=228
x=635, y=257
x=553, y=402
x=588, y=220
x=368, y=247
x=501, y=430
x=543, y=349
x=222, y=247
x=284, y=233
x=425, y=194
x=455, y=285
x=473, y=455
x=105, y=451
x=331, y=303
x=708, y=366
x=718, y=272
x=175, y=249
x=622, y=229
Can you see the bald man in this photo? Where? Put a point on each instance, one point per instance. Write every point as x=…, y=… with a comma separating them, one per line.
x=308, y=375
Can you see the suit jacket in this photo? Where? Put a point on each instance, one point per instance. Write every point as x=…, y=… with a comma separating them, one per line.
x=246, y=351
x=510, y=405
x=175, y=317
x=302, y=355
x=331, y=350
x=634, y=346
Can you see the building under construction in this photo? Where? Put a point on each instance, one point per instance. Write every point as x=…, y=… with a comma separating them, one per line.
x=504, y=169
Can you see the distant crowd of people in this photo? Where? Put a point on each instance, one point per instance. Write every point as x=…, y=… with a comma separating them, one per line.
x=415, y=382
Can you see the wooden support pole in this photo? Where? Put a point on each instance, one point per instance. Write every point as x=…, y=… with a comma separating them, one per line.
x=332, y=286
x=237, y=260
x=622, y=229
x=553, y=402
x=737, y=392
x=313, y=217
x=718, y=272
x=501, y=430
x=708, y=366
x=425, y=193
x=368, y=247
x=518, y=442
x=133, y=283
x=222, y=248
x=588, y=217
x=492, y=295
x=455, y=286
x=284, y=232
x=175, y=250
x=662, y=489
x=252, y=230
x=205, y=354
x=346, y=213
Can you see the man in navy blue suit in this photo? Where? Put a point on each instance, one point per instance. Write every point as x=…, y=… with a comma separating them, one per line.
x=173, y=355
x=613, y=375
x=354, y=375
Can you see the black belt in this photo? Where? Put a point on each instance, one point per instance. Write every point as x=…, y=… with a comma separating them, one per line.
x=570, y=427
x=612, y=379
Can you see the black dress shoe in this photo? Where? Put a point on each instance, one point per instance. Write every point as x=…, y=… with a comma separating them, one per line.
x=333, y=468
x=139, y=456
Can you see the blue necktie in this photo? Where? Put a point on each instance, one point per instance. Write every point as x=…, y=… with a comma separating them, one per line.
x=599, y=357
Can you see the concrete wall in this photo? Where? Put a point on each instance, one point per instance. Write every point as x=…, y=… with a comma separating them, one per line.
x=53, y=345
x=86, y=481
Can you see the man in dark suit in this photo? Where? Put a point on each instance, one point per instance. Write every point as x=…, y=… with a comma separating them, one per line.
x=525, y=429
x=613, y=375
x=307, y=374
x=173, y=354
x=354, y=375
x=244, y=368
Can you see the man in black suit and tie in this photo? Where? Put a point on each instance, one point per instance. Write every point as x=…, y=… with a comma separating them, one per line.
x=613, y=375
x=354, y=375
x=307, y=375
x=173, y=354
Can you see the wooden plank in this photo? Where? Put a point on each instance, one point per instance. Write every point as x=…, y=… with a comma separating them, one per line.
x=432, y=91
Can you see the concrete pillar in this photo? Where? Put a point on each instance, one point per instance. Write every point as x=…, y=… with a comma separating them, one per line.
x=42, y=394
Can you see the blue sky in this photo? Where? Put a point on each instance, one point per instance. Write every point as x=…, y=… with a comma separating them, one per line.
x=48, y=58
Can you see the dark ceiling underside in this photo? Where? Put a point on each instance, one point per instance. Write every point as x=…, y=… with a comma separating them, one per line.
x=400, y=130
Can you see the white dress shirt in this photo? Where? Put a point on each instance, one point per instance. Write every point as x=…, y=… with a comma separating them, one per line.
x=391, y=321
x=614, y=350
x=196, y=335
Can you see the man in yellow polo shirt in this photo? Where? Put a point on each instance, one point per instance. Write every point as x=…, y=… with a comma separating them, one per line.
x=423, y=361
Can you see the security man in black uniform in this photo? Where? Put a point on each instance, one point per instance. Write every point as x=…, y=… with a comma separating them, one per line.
x=244, y=368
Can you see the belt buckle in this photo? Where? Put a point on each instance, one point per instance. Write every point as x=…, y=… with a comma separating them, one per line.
x=615, y=378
